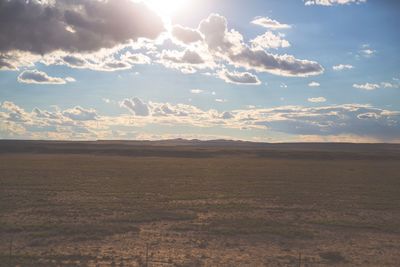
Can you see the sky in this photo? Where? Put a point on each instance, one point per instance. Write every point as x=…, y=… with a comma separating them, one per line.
x=256, y=70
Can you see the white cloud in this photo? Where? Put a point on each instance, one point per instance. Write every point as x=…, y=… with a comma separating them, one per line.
x=314, y=84
x=373, y=86
x=332, y=121
x=366, y=51
x=317, y=100
x=185, y=35
x=387, y=85
x=245, y=78
x=333, y=2
x=367, y=86
x=341, y=67
x=269, y=23
x=196, y=91
x=70, y=79
x=106, y=100
x=14, y=60
x=103, y=60
x=368, y=115
x=229, y=46
x=269, y=40
x=390, y=85
x=80, y=114
x=40, y=77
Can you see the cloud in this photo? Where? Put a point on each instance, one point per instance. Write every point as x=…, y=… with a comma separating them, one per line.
x=239, y=77
x=332, y=120
x=15, y=113
x=103, y=60
x=227, y=115
x=269, y=40
x=186, y=57
x=368, y=115
x=373, y=86
x=196, y=91
x=185, y=35
x=314, y=84
x=283, y=85
x=367, y=86
x=341, y=67
x=75, y=123
x=187, y=61
x=135, y=58
x=80, y=114
x=317, y=100
x=390, y=85
x=333, y=2
x=136, y=106
x=74, y=26
x=366, y=51
x=13, y=60
x=269, y=23
x=39, y=77
x=115, y=65
x=210, y=46
x=70, y=79
x=229, y=46
x=283, y=65
x=324, y=122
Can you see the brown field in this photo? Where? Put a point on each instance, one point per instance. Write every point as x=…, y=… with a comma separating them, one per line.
x=198, y=204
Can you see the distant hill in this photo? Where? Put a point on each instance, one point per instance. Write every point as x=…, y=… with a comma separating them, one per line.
x=201, y=149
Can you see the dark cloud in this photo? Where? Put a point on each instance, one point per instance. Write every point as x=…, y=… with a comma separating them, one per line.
x=74, y=61
x=239, y=77
x=73, y=25
x=188, y=56
x=227, y=115
x=136, y=106
x=39, y=77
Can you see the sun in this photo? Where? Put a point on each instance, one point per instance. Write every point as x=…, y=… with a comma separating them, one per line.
x=166, y=8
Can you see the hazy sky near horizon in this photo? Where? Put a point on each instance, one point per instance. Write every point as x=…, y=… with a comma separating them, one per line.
x=258, y=70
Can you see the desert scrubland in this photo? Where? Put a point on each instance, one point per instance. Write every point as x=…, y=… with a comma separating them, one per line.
x=190, y=203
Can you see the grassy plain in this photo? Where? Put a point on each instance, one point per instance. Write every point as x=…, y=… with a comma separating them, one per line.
x=198, y=204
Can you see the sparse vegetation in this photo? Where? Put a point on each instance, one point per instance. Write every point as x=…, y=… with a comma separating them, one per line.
x=332, y=256
x=242, y=208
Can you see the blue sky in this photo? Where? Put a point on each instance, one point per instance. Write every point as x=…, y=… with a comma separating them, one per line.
x=274, y=71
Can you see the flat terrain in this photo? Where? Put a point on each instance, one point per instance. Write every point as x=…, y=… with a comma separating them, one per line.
x=198, y=204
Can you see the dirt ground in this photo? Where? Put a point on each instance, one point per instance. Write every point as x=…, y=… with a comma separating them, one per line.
x=203, y=206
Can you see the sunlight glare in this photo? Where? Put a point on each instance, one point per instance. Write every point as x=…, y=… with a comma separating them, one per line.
x=166, y=8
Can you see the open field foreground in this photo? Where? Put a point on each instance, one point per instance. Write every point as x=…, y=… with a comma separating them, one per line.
x=198, y=204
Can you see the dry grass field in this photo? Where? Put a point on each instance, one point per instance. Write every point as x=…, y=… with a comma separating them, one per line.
x=183, y=203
